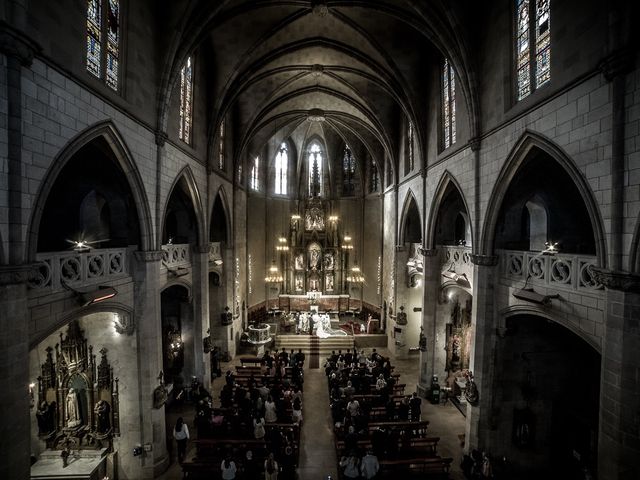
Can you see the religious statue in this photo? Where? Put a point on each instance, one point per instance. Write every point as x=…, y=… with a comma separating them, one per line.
x=73, y=412
x=328, y=261
x=299, y=261
x=101, y=411
x=44, y=415
x=423, y=340
x=402, y=317
x=314, y=259
x=299, y=284
x=329, y=282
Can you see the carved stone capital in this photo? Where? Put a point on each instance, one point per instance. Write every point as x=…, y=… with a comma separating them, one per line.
x=148, y=255
x=14, y=43
x=16, y=274
x=317, y=70
x=484, y=260
x=616, y=280
x=320, y=8
x=617, y=63
x=161, y=138
x=475, y=144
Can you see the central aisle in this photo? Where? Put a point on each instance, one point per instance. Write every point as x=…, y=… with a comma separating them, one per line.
x=317, y=453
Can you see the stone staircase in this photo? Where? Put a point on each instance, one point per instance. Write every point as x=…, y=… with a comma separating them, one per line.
x=308, y=344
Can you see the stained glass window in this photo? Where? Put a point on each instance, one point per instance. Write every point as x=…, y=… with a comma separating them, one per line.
x=253, y=180
x=448, y=104
x=532, y=70
x=282, y=164
x=348, y=171
x=221, y=147
x=409, y=163
x=186, y=101
x=103, y=40
x=315, y=170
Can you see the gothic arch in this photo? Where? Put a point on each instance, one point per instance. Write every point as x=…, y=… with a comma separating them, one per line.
x=410, y=204
x=446, y=180
x=541, y=312
x=186, y=174
x=108, y=131
x=527, y=142
x=102, y=307
x=179, y=283
x=222, y=195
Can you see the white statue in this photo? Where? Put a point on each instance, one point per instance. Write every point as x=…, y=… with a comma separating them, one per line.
x=73, y=414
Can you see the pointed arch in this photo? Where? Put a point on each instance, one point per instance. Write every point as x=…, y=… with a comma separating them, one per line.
x=447, y=181
x=186, y=174
x=520, y=152
x=179, y=283
x=109, y=132
x=546, y=313
x=410, y=209
x=222, y=196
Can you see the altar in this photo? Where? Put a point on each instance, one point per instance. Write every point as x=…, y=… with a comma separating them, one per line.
x=324, y=303
x=81, y=464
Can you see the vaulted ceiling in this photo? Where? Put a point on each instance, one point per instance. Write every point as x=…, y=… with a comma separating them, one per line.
x=360, y=67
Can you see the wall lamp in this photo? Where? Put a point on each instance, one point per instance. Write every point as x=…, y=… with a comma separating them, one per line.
x=91, y=297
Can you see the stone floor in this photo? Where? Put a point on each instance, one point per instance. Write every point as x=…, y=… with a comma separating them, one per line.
x=317, y=454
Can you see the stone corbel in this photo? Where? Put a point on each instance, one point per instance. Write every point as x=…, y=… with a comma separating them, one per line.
x=617, y=63
x=427, y=252
x=161, y=138
x=617, y=280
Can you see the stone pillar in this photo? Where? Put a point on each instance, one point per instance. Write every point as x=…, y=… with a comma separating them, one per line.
x=431, y=291
x=478, y=422
x=200, y=302
x=14, y=371
x=619, y=423
x=146, y=275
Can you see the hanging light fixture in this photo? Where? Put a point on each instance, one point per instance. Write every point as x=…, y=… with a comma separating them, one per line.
x=282, y=244
x=273, y=275
x=355, y=276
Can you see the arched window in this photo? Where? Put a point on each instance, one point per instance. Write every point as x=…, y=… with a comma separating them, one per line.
x=221, y=147
x=315, y=170
x=533, y=51
x=374, y=180
x=448, y=104
x=103, y=40
x=409, y=163
x=186, y=101
x=348, y=171
x=253, y=180
x=282, y=165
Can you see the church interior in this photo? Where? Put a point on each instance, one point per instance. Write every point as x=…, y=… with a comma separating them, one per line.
x=433, y=206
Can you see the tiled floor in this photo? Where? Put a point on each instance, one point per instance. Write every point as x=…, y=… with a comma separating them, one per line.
x=317, y=454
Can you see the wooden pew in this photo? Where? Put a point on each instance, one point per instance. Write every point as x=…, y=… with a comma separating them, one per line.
x=433, y=467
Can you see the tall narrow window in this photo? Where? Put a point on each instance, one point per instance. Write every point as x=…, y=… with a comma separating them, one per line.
x=408, y=163
x=103, y=40
x=255, y=170
x=348, y=171
x=533, y=69
x=448, y=104
x=282, y=164
x=221, y=147
x=186, y=101
x=374, y=181
x=315, y=170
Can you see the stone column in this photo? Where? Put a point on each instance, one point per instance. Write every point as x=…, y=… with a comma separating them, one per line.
x=200, y=302
x=14, y=370
x=146, y=275
x=478, y=422
x=431, y=291
x=619, y=423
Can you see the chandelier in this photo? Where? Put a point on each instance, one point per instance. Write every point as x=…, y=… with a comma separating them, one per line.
x=282, y=245
x=355, y=276
x=273, y=276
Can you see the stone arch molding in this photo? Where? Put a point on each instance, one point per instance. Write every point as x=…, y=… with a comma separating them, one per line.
x=222, y=193
x=409, y=199
x=114, y=139
x=105, y=307
x=547, y=314
x=179, y=283
x=523, y=147
x=194, y=194
x=445, y=180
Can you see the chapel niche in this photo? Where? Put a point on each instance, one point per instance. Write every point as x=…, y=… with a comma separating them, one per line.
x=458, y=330
x=78, y=404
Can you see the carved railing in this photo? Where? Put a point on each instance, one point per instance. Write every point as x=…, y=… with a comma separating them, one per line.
x=176, y=255
x=571, y=272
x=458, y=257
x=78, y=268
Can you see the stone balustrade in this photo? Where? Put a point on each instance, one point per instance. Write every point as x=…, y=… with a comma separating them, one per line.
x=176, y=255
